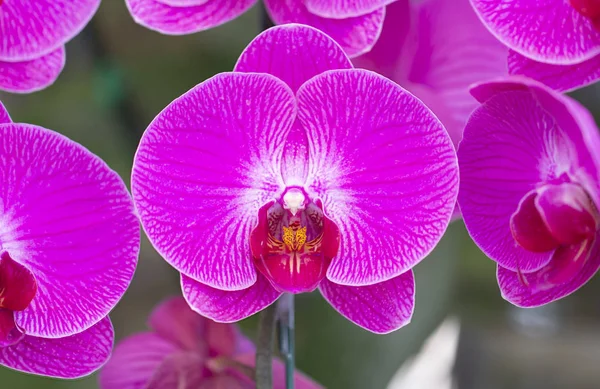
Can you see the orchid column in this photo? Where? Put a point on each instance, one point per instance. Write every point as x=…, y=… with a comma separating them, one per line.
x=292, y=173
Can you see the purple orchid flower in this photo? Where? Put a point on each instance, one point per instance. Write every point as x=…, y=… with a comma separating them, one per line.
x=69, y=241
x=34, y=33
x=292, y=173
x=436, y=49
x=355, y=25
x=556, y=42
x=184, y=350
x=530, y=189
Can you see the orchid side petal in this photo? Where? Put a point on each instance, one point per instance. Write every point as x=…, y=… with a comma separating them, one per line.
x=385, y=169
x=205, y=166
x=342, y=9
x=69, y=219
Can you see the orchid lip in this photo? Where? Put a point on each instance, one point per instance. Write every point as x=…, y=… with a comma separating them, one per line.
x=557, y=218
x=589, y=9
x=294, y=242
x=18, y=287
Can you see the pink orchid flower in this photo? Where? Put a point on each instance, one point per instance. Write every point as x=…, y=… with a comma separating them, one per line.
x=556, y=42
x=355, y=25
x=33, y=35
x=296, y=172
x=69, y=240
x=184, y=350
x=530, y=189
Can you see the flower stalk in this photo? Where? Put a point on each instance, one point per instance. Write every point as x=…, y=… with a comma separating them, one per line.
x=287, y=334
x=264, y=348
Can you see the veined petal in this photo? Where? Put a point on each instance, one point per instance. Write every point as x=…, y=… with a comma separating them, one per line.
x=74, y=356
x=522, y=135
x=356, y=35
x=228, y=306
x=31, y=29
x=521, y=294
x=563, y=78
x=183, y=3
x=385, y=169
x=380, y=308
x=32, y=75
x=135, y=360
x=69, y=219
x=341, y=9
x=549, y=31
x=4, y=116
x=205, y=166
x=185, y=19
x=294, y=53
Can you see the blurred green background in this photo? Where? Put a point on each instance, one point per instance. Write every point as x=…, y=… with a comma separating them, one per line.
x=119, y=76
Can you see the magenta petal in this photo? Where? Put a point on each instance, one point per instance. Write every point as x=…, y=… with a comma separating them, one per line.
x=514, y=290
x=341, y=9
x=294, y=53
x=380, y=308
x=135, y=360
x=30, y=29
x=176, y=321
x=4, y=116
x=69, y=219
x=550, y=31
x=225, y=306
x=183, y=3
x=32, y=75
x=181, y=19
x=562, y=78
x=356, y=35
x=71, y=357
x=179, y=371
x=205, y=166
x=383, y=166
x=226, y=382
x=523, y=135
x=301, y=381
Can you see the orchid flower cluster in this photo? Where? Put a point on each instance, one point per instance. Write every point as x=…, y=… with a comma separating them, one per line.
x=329, y=159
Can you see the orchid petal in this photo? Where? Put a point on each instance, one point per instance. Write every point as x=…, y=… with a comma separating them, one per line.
x=380, y=308
x=526, y=295
x=69, y=219
x=31, y=29
x=549, y=31
x=176, y=321
x=563, y=78
x=384, y=168
x=356, y=35
x=228, y=306
x=179, y=370
x=227, y=382
x=341, y=9
x=523, y=134
x=183, y=3
x=180, y=19
x=294, y=53
x=4, y=116
x=205, y=166
x=74, y=356
x=135, y=360
x=32, y=75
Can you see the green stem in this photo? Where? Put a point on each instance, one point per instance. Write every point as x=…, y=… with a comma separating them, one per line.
x=287, y=346
x=264, y=348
